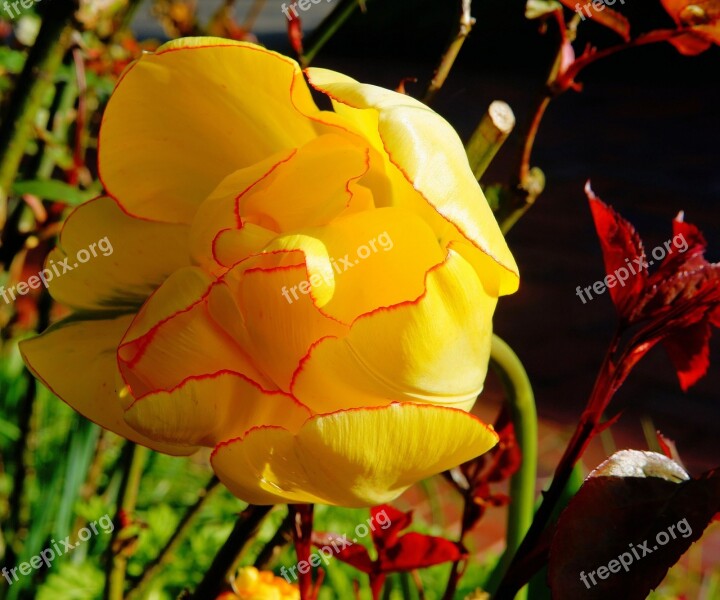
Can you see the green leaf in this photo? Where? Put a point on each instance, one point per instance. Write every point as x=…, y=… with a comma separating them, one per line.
x=11, y=61
x=53, y=190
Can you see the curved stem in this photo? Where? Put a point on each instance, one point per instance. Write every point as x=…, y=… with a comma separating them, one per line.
x=566, y=79
x=521, y=403
x=530, y=138
x=606, y=384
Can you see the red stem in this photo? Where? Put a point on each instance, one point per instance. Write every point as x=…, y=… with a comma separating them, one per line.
x=609, y=379
x=376, y=585
x=302, y=516
x=567, y=78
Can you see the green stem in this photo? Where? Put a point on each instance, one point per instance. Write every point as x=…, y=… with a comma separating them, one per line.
x=37, y=76
x=134, y=458
x=328, y=28
x=609, y=379
x=521, y=402
x=494, y=128
x=186, y=522
x=215, y=579
x=451, y=53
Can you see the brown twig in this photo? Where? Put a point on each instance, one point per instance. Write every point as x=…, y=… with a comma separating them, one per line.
x=281, y=538
x=216, y=577
x=451, y=53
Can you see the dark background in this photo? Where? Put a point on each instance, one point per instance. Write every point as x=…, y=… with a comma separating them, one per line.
x=644, y=130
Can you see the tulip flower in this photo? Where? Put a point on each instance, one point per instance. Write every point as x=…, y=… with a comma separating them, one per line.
x=307, y=292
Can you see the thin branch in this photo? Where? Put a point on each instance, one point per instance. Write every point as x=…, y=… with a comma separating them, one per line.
x=328, y=28
x=281, y=538
x=451, y=53
x=216, y=577
x=133, y=460
x=138, y=584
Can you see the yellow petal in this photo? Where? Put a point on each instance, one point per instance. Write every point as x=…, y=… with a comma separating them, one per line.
x=376, y=258
x=304, y=191
x=434, y=349
x=184, y=118
x=209, y=409
x=125, y=259
x=281, y=194
x=219, y=213
x=279, y=329
x=76, y=359
x=351, y=458
x=427, y=151
x=174, y=337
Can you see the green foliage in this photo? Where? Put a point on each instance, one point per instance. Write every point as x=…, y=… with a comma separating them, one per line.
x=54, y=190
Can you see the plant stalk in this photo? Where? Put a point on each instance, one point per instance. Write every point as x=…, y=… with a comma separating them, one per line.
x=36, y=78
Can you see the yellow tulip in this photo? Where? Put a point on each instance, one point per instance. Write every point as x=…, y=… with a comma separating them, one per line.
x=308, y=292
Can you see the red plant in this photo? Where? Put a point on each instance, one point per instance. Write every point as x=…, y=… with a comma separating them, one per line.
x=395, y=552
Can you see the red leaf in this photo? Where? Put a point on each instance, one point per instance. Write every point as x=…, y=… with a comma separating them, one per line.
x=344, y=550
x=700, y=19
x=295, y=34
x=668, y=448
x=416, y=551
x=689, y=351
x=622, y=250
x=398, y=520
x=652, y=515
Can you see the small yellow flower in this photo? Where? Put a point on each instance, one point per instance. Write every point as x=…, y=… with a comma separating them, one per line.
x=251, y=584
